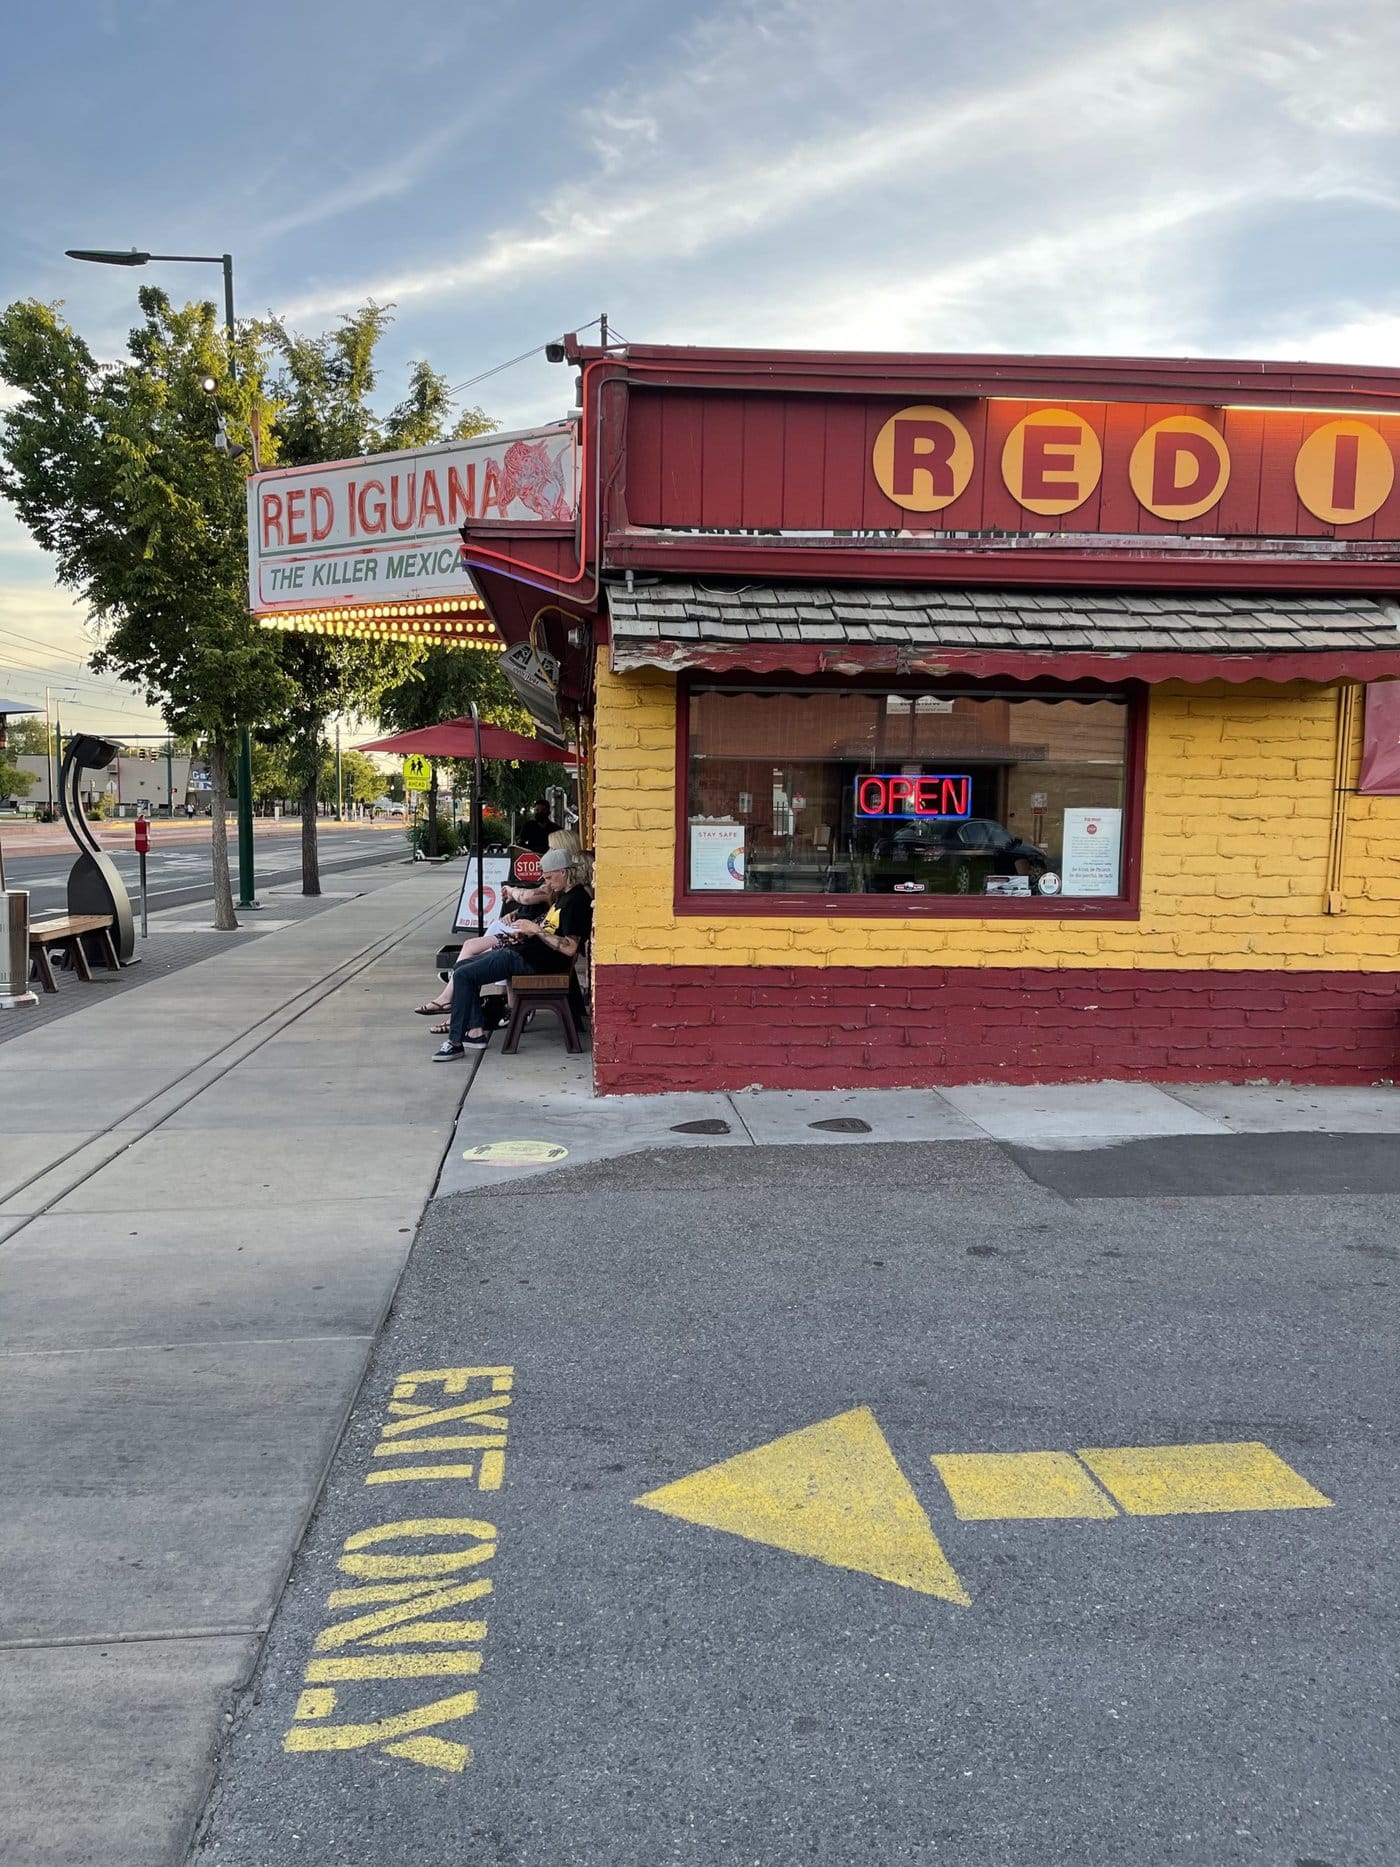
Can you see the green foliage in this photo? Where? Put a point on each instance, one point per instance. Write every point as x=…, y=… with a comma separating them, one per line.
x=515, y=786
x=29, y=735
x=114, y=470
x=364, y=782
x=448, y=842
x=272, y=783
x=443, y=685
x=14, y=780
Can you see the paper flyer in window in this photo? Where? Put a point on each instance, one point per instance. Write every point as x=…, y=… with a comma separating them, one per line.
x=1093, y=840
x=716, y=855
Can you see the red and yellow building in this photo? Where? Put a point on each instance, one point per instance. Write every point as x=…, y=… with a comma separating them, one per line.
x=975, y=718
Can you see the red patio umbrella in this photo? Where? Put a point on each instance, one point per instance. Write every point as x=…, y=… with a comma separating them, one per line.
x=458, y=739
x=466, y=737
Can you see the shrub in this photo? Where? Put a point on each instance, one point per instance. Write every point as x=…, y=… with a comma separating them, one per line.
x=447, y=843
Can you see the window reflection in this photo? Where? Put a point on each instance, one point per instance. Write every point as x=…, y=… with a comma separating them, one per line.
x=988, y=794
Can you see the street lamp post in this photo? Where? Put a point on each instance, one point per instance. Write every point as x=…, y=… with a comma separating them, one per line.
x=106, y=256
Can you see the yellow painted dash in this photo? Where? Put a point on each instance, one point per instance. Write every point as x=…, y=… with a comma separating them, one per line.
x=989, y=1485
x=1163, y=1481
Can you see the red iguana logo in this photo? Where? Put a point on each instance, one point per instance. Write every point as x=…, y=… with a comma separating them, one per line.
x=530, y=474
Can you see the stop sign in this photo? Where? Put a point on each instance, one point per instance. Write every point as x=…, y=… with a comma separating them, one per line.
x=143, y=835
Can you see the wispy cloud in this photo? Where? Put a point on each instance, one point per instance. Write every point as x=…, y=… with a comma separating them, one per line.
x=388, y=180
x=670, y=200
x=801, y=173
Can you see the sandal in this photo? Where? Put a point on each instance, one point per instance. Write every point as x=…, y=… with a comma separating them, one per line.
x=440, y=1030
x=429, y=1010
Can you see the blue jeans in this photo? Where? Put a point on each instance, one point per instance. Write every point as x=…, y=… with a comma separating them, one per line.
x=468, y=977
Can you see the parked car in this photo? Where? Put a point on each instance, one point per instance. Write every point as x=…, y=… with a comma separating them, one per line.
x=951, y=858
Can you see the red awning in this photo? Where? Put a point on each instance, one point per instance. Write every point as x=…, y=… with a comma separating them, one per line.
x=457, y=739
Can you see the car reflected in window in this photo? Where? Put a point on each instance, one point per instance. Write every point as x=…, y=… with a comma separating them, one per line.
x=951, y=858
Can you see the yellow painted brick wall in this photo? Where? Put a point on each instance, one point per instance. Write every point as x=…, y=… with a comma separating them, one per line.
x=1234, y=859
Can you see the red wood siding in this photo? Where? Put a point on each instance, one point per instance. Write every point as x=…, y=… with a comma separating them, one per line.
x=762, y=461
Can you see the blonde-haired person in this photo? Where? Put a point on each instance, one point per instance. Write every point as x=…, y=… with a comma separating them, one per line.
x=517, y=898
x=547, y=950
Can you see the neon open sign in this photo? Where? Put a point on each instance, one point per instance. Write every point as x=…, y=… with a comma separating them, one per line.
x=939, y=797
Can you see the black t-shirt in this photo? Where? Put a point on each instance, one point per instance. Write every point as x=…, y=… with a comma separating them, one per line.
x=536, y=833
x=575, y=923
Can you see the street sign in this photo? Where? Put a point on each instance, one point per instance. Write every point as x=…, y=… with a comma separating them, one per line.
x=417, y=772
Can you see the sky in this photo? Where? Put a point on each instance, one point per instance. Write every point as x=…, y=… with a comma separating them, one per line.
x=1113, y=176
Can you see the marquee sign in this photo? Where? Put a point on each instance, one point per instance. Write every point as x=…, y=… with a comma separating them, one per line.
x=385, y=528
x=926, y=797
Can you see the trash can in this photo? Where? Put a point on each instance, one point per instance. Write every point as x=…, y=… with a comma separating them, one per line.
x=14, y=950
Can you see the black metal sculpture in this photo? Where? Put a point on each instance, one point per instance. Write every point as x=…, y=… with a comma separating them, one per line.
x=94, y=884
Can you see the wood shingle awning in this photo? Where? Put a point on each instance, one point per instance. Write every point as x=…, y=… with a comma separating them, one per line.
x=938, y=631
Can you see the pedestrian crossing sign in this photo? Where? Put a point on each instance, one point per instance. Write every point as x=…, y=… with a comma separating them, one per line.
x=417, y=772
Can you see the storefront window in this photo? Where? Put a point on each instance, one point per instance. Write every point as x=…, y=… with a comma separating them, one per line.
x=826, y=792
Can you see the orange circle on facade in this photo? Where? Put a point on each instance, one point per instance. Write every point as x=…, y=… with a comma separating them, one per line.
x=1052, y=461
x=1344, y=472
x=922, y=458
x=1179, y=468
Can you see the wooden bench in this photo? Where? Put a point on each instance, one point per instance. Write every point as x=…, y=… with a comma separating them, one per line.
x=538, y=991
x=68, y=931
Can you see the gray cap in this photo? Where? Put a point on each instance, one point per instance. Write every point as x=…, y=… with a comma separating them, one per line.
x=555, y=861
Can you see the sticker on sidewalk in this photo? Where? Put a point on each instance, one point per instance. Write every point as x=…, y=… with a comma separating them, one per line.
x=515, y=1153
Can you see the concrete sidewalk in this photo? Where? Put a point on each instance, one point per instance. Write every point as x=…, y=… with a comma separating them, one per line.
x=208, y=1190
x=542, y=1095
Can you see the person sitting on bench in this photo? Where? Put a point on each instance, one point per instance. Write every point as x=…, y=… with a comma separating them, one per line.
x=515, y=953
x=518, y=904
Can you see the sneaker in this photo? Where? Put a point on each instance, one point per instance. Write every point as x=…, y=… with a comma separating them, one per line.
x=477, y=1043
x=447, y=1053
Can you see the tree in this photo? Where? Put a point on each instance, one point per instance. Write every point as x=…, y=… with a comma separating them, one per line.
x=442, y=687
x=28, y=734
x=114, y=469
x=272, y=783
x=14, y=780
x=364, y=782
x=322, y=390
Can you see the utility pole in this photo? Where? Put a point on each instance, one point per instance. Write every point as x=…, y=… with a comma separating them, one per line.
x=339, y=780
x=170, y=778
x=50, y=759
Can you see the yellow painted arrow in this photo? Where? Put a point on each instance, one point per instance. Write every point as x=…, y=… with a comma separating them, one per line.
x=833, y=1492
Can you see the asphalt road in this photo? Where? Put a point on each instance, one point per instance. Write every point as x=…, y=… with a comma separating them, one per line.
x=180, y=874
x=1169, y=1682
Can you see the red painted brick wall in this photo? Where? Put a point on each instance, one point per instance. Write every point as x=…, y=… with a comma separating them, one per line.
x=846, y=1027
